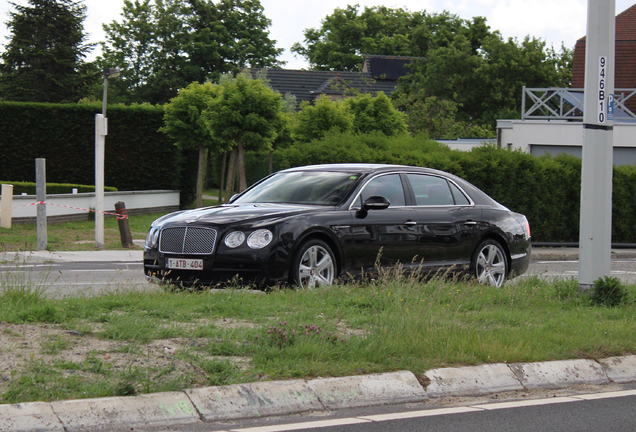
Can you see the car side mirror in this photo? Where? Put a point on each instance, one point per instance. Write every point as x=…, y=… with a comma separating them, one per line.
x=375, y=202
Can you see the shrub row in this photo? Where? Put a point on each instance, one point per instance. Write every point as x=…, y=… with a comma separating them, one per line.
x=53, y=188
x=138, y=156
x=547, y=190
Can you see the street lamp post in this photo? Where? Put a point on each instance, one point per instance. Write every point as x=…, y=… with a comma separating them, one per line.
x=101, y=130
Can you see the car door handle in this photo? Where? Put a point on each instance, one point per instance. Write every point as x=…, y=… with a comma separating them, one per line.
x=470, y=223
x=410, y=223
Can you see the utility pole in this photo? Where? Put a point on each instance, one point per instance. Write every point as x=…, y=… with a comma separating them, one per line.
x=595, y=237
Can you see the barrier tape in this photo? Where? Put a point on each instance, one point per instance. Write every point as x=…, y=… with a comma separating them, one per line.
x=119, y=216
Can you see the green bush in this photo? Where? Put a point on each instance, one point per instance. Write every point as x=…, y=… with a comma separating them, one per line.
x=53, y=188
x=138, y=156
x=608, y=291
x=547, y=190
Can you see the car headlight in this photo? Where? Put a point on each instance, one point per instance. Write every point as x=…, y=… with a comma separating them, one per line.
x=260, y=238
x=152, y=237
x=234, y=239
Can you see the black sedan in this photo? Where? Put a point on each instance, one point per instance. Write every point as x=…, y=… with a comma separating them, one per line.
x=308, y=225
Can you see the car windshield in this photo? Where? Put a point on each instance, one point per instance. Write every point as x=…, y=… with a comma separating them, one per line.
x=302, y=187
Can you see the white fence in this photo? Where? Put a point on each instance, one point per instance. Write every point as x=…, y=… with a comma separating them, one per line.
x=64, y=207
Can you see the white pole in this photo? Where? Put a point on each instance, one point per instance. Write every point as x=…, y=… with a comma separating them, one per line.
x=101, y=130
x=595, y=238
x=40, y=195
x=5, y=205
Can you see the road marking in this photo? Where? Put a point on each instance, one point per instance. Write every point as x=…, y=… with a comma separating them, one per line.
x=307, y=425
x=435, y=412
x=422, y=413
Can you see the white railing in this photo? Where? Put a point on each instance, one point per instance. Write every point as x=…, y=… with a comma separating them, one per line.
x=567, y=104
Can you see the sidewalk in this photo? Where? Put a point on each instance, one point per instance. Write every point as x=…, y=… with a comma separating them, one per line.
x=279, y=398
x=126, y=255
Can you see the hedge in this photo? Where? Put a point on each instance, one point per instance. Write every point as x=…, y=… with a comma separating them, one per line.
x=138, y=156
x=547, y=190
x=29, y=188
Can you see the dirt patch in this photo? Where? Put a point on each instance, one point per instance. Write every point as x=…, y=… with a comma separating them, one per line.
x=73, y=352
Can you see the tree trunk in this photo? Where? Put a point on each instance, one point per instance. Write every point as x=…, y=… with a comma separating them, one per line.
x=222, y=178
x=271, y=161
x=231, y=174
x=241, y=167
x=203, y=152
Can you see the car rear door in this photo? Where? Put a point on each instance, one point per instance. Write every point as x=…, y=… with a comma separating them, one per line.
x=448, y=222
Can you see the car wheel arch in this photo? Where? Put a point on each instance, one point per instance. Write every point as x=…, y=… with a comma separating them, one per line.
x=333, y=244
x=499, y=238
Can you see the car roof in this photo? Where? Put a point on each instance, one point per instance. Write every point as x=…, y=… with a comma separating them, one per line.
x=363, y=168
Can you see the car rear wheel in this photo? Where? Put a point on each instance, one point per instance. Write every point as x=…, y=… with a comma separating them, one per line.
x=314, y=265
x=489, y=263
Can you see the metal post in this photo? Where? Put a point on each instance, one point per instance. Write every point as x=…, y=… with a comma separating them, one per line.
x=595, y=237
x=101, y=129
x=40, y=196
x=5, y=206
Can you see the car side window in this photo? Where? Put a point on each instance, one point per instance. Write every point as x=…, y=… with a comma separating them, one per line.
x=388, y=186
x=460, y=198
x=430, y=190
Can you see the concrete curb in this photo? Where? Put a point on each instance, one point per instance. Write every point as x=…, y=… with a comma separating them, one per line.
x=196, y=406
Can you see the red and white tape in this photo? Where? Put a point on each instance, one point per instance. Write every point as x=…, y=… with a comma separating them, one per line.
x=119, y=216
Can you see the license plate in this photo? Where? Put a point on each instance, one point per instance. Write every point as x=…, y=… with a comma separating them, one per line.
x=185, y=264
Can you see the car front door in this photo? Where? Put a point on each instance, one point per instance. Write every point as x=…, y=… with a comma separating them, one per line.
x=388, y=236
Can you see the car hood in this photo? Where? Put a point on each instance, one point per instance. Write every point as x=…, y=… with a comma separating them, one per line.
x=238, y=213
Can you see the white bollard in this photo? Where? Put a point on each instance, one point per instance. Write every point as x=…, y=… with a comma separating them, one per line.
x=5, y=206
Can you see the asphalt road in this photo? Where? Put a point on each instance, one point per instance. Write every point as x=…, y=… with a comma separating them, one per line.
x=622, y=268
x=539, y=411
x=90, y=278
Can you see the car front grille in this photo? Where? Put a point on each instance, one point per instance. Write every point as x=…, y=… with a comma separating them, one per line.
x=187, y=240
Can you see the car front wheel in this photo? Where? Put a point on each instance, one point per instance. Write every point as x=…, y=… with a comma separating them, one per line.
x=489, y=263
x=314, y=265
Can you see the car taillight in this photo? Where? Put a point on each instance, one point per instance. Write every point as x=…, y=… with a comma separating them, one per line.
x=527, y=228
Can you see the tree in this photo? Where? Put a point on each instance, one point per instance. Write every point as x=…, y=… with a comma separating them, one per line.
x=348, y=34
x=164, y=45
x=185, y=124
x=376, y=113
x=43, y=61
x=486, y=84
x=314, y=121
x=246, y=115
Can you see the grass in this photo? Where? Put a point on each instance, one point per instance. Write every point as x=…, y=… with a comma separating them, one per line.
x=77, y=235
x=235, y=336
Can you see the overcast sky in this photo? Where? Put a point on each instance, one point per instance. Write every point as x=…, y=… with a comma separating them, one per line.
x=554, y=21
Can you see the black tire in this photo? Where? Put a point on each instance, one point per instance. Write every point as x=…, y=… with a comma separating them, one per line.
x=313, y=265
x=490, y=265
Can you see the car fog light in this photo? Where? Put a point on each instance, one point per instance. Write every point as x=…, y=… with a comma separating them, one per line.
x=234, y=239
x=260, y=238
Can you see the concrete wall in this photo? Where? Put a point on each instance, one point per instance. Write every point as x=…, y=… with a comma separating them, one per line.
x=540, y=136
x=59, y=205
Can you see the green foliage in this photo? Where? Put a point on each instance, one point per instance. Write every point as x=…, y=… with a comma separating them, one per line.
x=53, y=188
x=43, y=61
x=608, y=291
x=547, y=190
x=246, y=112
x=376, y=114
x=162, y=46
x=348, y=34
x=138, y=156
x=314, y=121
